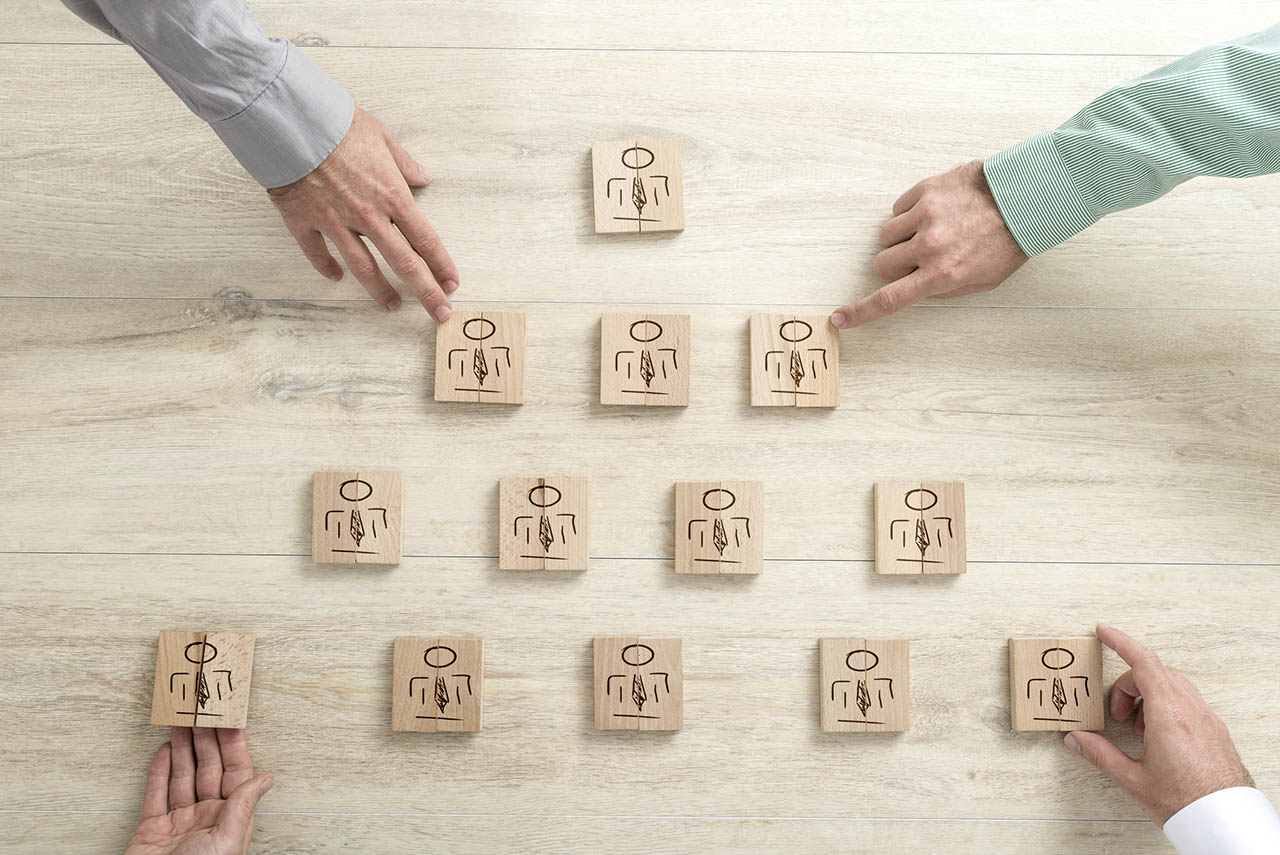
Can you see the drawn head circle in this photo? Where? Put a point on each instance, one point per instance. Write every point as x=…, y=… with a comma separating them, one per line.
x=1057, y=658
x=207, y=653
x=924, y=499
x=483, y=329
x=867, y=661
x=446, y=656
x=544, y=496
x=794, y=331
x=361, y=489
x=637, y=157
x=718, y=500
x=649, y=328
x=637, y=654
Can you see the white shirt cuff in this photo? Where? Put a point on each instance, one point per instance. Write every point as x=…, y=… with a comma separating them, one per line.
x=1234, y=821
x=292, y=126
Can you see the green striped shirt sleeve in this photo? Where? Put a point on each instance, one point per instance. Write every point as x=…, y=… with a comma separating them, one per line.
x=1215, y=112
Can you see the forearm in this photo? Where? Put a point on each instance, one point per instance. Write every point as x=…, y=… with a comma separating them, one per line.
x=1215, y=112
x=272, y=107
x=1234, y=821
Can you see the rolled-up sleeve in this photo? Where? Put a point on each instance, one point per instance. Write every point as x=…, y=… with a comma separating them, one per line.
x=273, y=108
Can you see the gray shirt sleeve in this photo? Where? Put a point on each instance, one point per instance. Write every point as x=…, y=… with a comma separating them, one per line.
x=272, y=107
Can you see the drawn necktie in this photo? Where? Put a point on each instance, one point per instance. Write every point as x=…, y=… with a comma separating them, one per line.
x=357, y=526
x=638, y=693
x=646, y=368
x=1059, y=696
x=864, y=699
x=479, y=366
x=797, y=367
x=637, y=194
x=922, y=537
x=442, y=694
x=202, y=690
x=718, y=537
x=544, y=533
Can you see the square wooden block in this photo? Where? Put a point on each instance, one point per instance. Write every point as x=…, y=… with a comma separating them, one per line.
x=638, y=186
x=1056, y=684
x=639, y=683
x=437, y=684
x=644, y=360
x=202, y=679
x=865, y=685
x=795, y=361
x=719, y=527
x=480, y=358
x=544, y=524
x=920, y=528
x=356, y=517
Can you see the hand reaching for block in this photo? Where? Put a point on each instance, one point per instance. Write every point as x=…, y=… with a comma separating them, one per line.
x=1189, y=753
x=200, y=796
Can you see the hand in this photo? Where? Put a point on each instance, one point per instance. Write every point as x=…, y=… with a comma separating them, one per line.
x=362, y=188
x=1188, y=751
x=200, y=796
x=946, y=239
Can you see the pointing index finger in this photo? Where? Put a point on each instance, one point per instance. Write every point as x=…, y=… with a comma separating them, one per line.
x=1148, y=672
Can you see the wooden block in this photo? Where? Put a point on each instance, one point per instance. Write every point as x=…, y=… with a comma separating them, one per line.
x=544, y=524
x=480, y=358
x=865, y=685
x=639, y=683
x=920, y=528
x=644, y=359
x=437, y=685
x=1056, y=684
x=719, y=527
x=795, y=361
x=356, y=517
x=202, y=679
x=638, y=186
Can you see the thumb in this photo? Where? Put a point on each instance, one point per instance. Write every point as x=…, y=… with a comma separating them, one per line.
x=1104, y=755
x=236, y=822
x=414, y=174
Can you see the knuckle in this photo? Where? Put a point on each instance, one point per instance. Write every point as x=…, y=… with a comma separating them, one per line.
x=364, y=269
x=885, y=301
x=928, y=240
x=364, y=212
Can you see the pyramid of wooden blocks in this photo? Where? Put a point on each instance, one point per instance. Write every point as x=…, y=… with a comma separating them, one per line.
x=864, y=685
x=638, y=186
x=480, y=358
x=1056, y=684
x=919, y=528
x=543, y=524
x=719, y=527
x=639, y=683
x=356, y=517
x=202, y=679
x=437, y=684
x=644, y=360
x=795, y=361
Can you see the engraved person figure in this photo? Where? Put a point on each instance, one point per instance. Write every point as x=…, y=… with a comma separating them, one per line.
x=471, y=366
x=359, y=528
x=867, y=693
x=641, y=693
x=923, y=532
x=644, y=364
x=722, y=537
x=441, y=697
x=551, y=529
x=795, y=371
x=1058, y=695
x=203, y=685
x=635, y=191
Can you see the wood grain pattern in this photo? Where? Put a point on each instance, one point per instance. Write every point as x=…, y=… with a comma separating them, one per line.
x=437, y=684
x=791, y=168
x=638, y=186
x=639, y=683
x=544, y=523
x=864, y=685
x=794, y=361
x=720, y=527
x=202, y=679
x=1055, y=684
x=480, y=358
x=920, y=528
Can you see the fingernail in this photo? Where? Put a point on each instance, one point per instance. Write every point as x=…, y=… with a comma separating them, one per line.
x=1071, y=742
x=441, y=313
x=267, y=783
x=838, y=318
x=393, y=304
x=449, y=286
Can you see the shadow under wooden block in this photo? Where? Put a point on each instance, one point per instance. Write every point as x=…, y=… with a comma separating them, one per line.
x=543, y=524
x=639, y=683
x=356, y=517
x=795, y=361
x=920, y=528
x=638, y=186
x=644, y=359
x=437, y=684
x=719, y=527
x=480, y=358
x=202, y=679
x=1056, y=684
x=864, y=685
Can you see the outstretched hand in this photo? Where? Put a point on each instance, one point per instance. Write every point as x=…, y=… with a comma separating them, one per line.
x=200, y=796
x=359, y=191
x=946, y=239
x=1188, y=751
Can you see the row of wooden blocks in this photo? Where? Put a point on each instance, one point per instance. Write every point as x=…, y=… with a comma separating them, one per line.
x=644, y=359
x=719, y=525
x=437, y=683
